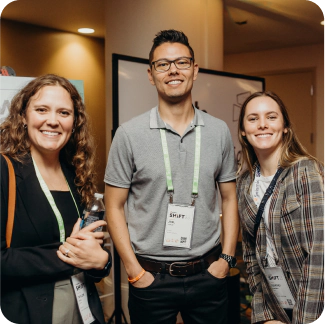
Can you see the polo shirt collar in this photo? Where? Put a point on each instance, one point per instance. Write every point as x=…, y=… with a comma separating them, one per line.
x=157, y=122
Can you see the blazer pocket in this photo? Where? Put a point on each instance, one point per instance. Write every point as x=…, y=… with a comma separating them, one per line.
x=290, y=204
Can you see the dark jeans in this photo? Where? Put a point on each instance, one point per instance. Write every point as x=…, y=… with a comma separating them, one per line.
x=201, y=299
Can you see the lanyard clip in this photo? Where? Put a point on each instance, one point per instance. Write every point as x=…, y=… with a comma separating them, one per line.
x=193, y=199
x=264, y=262
x=170, y=192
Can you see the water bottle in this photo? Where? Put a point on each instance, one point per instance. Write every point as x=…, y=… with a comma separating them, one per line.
x=94, y=213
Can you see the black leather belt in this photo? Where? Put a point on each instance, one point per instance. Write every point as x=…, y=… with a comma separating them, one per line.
x=181, y=268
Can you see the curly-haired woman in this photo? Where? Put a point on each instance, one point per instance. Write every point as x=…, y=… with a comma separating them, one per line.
x=47, y=138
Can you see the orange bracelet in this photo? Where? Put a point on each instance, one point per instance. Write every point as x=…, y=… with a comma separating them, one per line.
x=138, y=277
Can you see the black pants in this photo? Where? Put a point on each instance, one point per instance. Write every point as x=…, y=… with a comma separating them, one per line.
x=201, y=299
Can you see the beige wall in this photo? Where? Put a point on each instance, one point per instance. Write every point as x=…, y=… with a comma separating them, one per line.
x=287, y=59
x=32, y=51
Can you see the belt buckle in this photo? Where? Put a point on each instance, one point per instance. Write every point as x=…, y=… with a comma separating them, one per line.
x=170, y=270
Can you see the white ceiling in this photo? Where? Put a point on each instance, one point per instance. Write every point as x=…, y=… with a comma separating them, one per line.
x=249, y=25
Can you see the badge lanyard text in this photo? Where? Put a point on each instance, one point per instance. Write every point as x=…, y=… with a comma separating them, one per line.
x=274, y=274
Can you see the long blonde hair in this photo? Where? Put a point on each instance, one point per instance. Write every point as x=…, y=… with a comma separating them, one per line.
x=292, y=150
x=79, y=152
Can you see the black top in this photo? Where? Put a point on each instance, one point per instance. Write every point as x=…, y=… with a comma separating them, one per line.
x=67, y=208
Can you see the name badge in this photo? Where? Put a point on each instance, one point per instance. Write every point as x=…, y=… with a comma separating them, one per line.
x=279, y=285
x=179, y=226
x=80, y=290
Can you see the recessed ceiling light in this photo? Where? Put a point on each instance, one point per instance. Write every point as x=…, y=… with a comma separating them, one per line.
x=86, y=30
x=322, y=22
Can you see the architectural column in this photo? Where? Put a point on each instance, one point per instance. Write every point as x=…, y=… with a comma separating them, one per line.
x=132, y=25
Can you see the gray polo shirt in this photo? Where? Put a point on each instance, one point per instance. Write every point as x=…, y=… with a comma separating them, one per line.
x=136, y=162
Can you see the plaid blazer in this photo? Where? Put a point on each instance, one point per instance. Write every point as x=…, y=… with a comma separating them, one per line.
x=297, y=226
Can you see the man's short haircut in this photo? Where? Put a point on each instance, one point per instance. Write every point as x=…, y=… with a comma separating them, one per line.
x=170, y=36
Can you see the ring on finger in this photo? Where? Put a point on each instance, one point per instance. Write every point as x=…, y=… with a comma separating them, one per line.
x=67, y=253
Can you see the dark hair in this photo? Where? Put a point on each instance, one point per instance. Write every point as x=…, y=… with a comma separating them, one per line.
x=170, y=36
x=79, y=152
x=292, y=149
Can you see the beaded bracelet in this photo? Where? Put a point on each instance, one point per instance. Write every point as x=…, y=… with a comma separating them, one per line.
x=138, y=277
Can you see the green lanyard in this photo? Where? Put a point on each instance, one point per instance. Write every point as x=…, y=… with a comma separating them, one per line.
x=170, y=187
x=51, y=201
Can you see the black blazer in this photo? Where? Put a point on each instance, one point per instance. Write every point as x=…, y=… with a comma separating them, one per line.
x=30, y=267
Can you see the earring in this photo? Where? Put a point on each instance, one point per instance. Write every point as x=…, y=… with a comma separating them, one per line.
x=72, y=130
x=25, y=126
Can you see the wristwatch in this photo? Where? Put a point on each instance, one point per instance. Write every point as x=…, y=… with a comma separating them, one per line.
x=232, y=261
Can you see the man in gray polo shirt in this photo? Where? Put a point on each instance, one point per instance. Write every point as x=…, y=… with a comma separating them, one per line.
x=168, y=165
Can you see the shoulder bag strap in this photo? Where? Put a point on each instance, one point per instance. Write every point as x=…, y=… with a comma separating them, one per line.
x=11, y=201
x=266, y=196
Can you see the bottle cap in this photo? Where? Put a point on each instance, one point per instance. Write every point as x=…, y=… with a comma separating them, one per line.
x=98, y=195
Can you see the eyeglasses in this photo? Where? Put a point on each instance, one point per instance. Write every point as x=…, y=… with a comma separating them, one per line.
x=181, y=63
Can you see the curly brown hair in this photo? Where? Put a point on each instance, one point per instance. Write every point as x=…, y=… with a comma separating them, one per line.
x=79, y=152
x=292, y=150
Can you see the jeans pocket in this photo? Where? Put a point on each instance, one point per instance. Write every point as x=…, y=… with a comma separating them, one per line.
x=155, y=276
x=216, y=278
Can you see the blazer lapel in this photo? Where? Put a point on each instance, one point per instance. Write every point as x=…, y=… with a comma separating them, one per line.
x=250, y=209
x=34, y=200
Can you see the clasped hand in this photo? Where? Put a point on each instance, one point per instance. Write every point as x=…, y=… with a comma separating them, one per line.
x=83, y=248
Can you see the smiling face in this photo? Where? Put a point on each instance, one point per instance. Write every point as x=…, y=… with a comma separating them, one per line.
x=264, y=126
x=173, y=85
x=49, y=119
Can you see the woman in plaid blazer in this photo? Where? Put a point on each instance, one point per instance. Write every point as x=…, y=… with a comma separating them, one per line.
x=291, y=231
